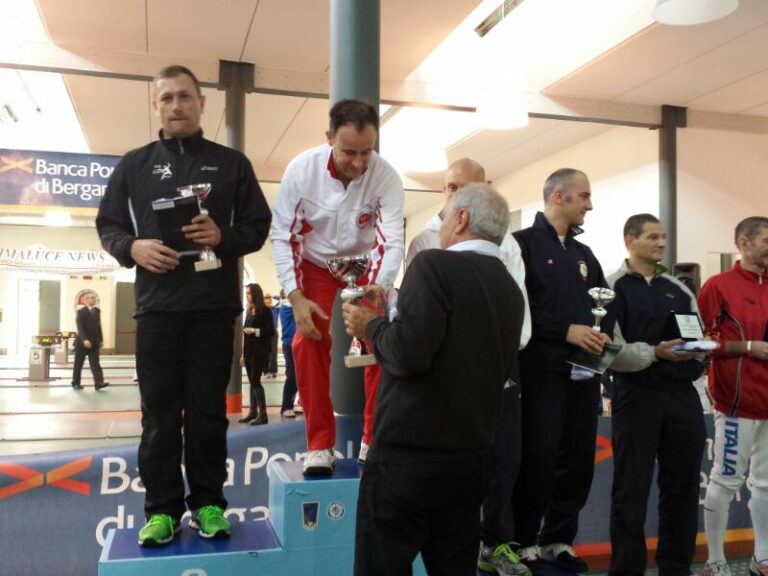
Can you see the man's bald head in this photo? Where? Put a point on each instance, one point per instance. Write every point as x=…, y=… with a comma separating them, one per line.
x=460, y=173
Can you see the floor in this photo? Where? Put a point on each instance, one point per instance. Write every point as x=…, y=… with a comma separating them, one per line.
x=47, y=416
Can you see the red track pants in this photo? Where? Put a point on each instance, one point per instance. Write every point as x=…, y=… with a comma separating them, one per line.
x=313, y=365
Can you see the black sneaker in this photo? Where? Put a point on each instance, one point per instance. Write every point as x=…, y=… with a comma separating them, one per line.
x=76, y=386
x=102, y=385
x=564, y=556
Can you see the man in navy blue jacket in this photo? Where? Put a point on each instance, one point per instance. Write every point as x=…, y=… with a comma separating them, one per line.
x=559, y=406
x=657, y=414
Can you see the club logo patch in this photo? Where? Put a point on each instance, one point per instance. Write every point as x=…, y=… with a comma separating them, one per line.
x=335, y=510
x=309, y=512
x=163, y=169
x=364, y=219
x=583, y=270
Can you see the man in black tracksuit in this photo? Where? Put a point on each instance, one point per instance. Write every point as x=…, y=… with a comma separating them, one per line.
x=559, y=405
x=657, y=414
x=185, y=319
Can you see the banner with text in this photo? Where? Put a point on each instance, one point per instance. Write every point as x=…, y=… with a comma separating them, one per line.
x=45, y=180
x=56, y=509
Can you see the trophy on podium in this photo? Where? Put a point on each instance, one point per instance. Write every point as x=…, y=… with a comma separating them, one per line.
x=206, y=257
x=597, y=363
x=601, y=296
x=349, y=269
x=174, y=213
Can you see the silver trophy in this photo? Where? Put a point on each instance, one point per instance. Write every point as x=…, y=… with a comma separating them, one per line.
x=597, y=363
x=601, y=296
x=207, y=259
x=349, y=269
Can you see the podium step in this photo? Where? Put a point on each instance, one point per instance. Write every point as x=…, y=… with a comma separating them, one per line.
x=253, y=546
x=310, y=530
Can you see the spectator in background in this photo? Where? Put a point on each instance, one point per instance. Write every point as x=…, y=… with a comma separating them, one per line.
x=270, y=368
x=287, y=331
x=89, y=342
x=259, y=332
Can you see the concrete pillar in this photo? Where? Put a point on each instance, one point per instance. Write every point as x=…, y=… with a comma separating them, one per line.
x=236, y=79
x=354, y=73
x=672, y=118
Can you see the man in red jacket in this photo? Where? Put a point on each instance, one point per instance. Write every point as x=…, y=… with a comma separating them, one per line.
x=734, y=308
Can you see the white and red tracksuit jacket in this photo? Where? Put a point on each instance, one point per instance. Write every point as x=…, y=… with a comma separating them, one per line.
x=316, y=218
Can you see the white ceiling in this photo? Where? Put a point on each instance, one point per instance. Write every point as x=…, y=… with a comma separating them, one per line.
x=592, y=58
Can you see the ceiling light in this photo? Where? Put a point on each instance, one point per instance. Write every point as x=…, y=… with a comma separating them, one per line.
x=690, y=12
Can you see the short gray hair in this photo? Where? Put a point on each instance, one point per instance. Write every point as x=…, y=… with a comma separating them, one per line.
x=559, y=180
x=749, y=227
x=488, y=211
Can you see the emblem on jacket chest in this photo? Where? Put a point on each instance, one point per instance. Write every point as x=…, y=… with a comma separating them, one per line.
x=363, y=219
x=583, y=270
x=164, y=170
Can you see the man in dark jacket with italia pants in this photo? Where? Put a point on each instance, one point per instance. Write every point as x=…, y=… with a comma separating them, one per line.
x=559, y=403
x=657, y=414
x=185, y=318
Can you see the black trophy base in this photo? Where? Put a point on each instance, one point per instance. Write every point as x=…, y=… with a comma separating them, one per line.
x=597, y=364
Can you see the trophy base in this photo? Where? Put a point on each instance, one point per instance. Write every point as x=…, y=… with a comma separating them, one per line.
x=359, y=360
x=594, y=363
x=205, y=265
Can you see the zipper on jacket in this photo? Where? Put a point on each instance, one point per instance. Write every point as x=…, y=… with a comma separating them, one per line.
x=181, y=145
x=739, y=366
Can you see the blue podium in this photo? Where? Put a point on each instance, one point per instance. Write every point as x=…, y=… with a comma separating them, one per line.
x=310, y=530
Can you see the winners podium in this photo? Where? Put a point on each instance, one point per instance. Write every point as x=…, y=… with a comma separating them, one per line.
x=310, y=530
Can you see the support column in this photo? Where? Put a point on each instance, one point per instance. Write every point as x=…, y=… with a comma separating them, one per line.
x=236, y=79
x=354, y=73
x=672, y=118
x=354, y=54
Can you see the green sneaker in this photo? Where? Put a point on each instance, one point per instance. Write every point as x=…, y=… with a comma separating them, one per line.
x=210, y=522
x=160, y=529
x=501, y=560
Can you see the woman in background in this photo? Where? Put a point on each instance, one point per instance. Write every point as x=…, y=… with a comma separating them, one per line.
x=258, y=331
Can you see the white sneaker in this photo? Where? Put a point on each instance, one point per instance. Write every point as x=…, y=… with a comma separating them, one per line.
x=363, y=452
x=758, y=568
x=719, y=568
x=288, y=414
x=529, y=553
x=319, y=463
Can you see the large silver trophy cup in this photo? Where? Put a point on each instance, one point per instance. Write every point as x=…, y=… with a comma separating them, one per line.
x=206, y=258
x=598, y=363
x=601, y=296
x=349, y=269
